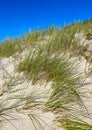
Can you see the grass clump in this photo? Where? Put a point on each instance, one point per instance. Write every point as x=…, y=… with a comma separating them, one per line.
x=89, y=35
x=49, y=31
x=50, y=62
x=14, y=101
x=61, y=39
x=75, y=125
x=10, y=47
x=31, y=37
x=55, y=67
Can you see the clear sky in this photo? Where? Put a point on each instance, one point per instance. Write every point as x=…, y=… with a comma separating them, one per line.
x=18, y=16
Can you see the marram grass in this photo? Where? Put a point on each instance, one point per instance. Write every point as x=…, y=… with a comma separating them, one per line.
x=49, y=62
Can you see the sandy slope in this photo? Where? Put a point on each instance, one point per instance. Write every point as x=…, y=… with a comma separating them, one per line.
x=18, y=119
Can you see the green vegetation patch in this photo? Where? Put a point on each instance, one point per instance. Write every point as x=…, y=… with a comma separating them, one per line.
x=51, y=62
x=75, y=125
x=10, y=47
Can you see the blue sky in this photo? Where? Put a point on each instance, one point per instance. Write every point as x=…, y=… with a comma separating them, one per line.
x=18, y=16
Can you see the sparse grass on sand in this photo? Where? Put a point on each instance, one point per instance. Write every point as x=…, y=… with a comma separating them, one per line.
x=51, y=62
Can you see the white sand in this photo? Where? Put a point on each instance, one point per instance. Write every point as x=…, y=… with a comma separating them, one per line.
x=17, y=120
x=20, y=121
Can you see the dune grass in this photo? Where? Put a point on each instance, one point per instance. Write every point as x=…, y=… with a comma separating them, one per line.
x=9, y=47
x=53, y=65
x=61, y=38
x=15, y=101
x=75, y=125
x=51, y=62
x=31, y=37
